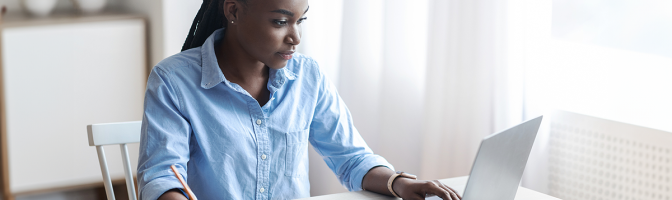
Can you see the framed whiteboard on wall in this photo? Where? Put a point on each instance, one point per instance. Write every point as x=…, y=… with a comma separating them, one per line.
x=58, y=75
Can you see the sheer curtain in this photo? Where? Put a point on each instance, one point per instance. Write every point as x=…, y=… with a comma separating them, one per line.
x=425, y=80
x=471, y=91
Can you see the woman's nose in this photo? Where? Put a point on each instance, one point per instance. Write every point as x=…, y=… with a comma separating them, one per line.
x=294, y=35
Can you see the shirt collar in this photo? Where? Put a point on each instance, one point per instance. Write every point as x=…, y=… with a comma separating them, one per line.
x=212, y=75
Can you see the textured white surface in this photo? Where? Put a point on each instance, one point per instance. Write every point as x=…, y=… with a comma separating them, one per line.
x=592, y=158
x=58, y=79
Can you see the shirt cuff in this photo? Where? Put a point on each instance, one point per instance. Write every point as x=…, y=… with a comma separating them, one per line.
x=369, y=163
x=154, y=189
x=183, y=192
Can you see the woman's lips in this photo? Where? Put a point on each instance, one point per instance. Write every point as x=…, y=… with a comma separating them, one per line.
x=286, y=55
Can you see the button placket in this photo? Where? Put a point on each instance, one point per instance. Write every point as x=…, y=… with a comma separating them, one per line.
x=263, y=167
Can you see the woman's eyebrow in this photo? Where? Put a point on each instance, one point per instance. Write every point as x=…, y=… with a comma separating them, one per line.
x=287, y=12
x=284, y=12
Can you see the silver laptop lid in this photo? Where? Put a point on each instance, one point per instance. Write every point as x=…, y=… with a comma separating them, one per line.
x=500, y=163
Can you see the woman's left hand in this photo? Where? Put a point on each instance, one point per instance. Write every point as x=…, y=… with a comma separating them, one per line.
x=410, y=189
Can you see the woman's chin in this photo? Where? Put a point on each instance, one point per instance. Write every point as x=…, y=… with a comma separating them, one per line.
x=277, y=64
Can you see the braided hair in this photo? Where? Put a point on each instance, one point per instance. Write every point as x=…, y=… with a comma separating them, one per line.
x=209, y=18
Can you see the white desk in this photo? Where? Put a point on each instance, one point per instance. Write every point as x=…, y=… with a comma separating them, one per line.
x=457, y=183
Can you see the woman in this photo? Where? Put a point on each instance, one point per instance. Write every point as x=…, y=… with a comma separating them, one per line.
x=235, y=110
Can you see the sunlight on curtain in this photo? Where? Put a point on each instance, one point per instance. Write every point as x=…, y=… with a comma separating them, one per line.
x=466, y=84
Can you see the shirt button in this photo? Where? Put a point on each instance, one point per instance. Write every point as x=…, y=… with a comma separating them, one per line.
x=258, y=122
x=263, y=157
x=262, y=190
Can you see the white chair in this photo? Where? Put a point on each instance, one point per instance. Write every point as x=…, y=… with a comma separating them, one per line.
x=120, y=133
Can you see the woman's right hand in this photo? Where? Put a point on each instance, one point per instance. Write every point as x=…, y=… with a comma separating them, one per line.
x=410, y=189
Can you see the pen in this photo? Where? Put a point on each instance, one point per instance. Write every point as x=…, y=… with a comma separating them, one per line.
x=186, y=187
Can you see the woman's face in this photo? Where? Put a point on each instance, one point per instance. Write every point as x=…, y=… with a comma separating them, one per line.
x=269, y=30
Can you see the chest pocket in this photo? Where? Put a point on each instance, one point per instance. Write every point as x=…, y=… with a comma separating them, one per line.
x=297, y=146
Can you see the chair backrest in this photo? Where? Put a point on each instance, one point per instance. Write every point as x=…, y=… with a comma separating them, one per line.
x=120, y=133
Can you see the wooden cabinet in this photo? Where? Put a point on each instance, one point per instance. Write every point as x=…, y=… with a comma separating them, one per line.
x=58, y=75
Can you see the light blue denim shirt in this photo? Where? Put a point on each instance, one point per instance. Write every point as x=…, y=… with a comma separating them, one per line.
x=228, y=147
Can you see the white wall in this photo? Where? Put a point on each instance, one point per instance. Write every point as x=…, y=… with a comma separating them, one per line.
x=177, y=18
x=169, y=23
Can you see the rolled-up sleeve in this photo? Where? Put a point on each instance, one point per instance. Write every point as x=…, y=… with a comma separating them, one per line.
x=164, y=139
x=336, y=139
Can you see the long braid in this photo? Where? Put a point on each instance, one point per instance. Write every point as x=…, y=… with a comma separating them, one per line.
x=190, y=36
x=207, y=20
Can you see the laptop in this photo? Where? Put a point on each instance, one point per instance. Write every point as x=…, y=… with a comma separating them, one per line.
x=499, y=163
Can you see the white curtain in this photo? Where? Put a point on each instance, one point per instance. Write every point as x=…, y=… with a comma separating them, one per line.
x=466, y=85
x=425, y=80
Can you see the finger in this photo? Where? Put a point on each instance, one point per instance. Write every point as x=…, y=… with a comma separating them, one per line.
x=456, y=194
x=435, y=188
x=453, y=193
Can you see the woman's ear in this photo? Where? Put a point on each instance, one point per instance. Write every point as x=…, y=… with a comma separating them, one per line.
x=231, y=10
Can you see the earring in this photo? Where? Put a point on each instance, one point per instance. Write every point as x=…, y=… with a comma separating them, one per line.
x=232, y=21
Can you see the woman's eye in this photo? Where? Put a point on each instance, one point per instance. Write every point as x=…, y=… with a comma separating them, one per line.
x=301, y=20
x=280, y=22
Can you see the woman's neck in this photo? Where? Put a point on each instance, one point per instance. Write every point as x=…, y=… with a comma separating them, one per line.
x=237, y=65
